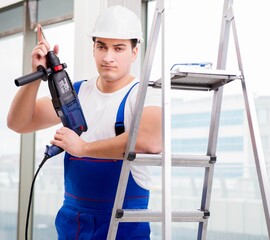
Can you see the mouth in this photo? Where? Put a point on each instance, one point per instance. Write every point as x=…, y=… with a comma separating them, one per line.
x=108, y=67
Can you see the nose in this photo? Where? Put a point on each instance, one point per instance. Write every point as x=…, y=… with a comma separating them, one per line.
x=108, y=56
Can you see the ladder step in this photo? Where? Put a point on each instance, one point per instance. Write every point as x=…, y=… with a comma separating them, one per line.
x=148, y=215
x=199, y=79
x=177, y=160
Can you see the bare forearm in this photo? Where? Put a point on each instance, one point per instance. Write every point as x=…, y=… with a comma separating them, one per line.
x=148, y=140
x=23, y=106
x=112, y=148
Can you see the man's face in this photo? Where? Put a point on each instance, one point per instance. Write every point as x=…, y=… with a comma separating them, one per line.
x=113, y=57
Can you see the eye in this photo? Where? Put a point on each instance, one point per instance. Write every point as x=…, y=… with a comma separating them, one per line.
x=119, y=49
x=100, y=47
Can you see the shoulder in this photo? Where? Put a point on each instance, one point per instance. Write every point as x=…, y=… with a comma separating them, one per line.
x=85, y=82
x=82, y=86
x=153, y=95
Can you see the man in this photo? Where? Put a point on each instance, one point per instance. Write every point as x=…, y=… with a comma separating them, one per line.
x=91, y=162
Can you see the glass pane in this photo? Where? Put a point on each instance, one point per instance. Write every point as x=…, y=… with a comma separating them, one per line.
x=11, y=18
x=10, y=141
x=47, y=9
x=6, y=3
x=236, y=210
x=49, y=183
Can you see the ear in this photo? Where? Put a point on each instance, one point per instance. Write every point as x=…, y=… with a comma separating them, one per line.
x=134, y=53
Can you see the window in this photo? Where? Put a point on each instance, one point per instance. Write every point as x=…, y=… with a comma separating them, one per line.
x=49, y=184
x=193, y=36
x=193, y=120
x=11, y=19
x=11, y=50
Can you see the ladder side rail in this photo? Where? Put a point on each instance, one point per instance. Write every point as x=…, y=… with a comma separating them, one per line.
x=205, y=201
x=119, y=199
x=145, y=75
x=146, y=70
x=215, y=118
x=218, y=93
x=263, y=178
x=166, y=132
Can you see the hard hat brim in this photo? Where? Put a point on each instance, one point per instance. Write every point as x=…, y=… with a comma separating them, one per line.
x=115, y=36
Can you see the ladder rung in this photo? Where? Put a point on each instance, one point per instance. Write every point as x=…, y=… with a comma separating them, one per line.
x=149, y=215
x=177, y=160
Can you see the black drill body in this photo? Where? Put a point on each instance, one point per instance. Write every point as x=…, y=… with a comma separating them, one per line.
x=64, y=97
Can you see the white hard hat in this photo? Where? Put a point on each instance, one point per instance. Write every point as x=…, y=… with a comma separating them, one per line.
x=118, y=22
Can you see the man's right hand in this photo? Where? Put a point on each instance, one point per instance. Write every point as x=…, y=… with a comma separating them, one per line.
x=27, y=113
x=40, y=50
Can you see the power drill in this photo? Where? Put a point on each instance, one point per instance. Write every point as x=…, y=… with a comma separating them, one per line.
x=64, y=97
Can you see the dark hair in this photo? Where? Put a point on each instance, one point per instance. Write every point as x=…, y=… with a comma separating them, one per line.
x=133, y=42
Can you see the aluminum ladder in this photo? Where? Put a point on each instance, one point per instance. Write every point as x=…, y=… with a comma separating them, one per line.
x=202, y=80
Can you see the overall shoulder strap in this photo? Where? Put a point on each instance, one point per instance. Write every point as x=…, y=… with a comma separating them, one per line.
x=119, y=126
x=77, y=85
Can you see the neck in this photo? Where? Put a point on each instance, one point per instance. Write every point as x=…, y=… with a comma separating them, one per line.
x=107, y=86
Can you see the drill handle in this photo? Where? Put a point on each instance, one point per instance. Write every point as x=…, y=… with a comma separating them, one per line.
x=41, y=73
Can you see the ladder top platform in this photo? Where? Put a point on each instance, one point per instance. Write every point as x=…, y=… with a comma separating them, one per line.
x=199, y=79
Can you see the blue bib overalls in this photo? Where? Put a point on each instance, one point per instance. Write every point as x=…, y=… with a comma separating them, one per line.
x=90, y=188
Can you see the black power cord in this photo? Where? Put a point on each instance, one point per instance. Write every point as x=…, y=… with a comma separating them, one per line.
x=46, y=157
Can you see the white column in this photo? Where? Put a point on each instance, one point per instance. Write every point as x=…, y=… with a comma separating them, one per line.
x=85, y=14
x=27, y=156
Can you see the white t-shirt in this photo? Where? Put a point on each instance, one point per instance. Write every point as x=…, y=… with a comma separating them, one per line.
x=100, y=110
